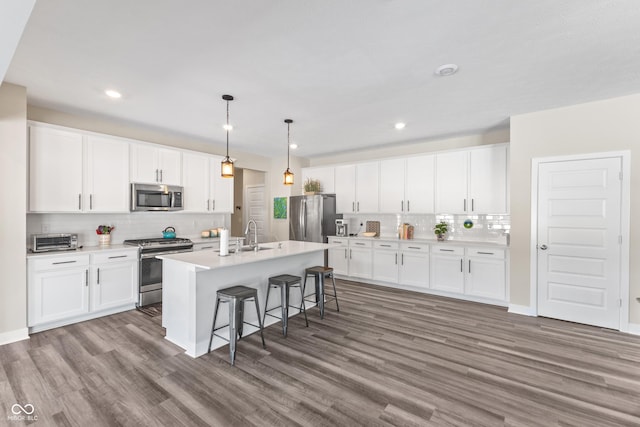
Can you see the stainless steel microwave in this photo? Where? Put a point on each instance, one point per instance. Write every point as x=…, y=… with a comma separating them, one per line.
x=156, y=197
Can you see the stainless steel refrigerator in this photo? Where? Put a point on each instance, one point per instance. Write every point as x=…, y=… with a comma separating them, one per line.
x=312, y=218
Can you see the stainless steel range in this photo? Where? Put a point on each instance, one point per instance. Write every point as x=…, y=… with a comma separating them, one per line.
x=150, y=268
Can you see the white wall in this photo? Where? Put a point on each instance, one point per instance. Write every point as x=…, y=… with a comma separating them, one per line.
x=609, y=125
x=13, y=173
x=280, y=227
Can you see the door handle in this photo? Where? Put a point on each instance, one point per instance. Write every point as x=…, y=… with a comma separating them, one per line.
x=543, y=247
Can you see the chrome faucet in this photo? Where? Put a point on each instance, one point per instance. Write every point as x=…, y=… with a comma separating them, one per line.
x=253, y=245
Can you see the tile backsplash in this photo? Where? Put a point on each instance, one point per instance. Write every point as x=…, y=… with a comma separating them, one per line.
x=128, y=225
x=493, y=228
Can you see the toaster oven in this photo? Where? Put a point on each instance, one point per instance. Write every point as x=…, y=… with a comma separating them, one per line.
x=54, y=242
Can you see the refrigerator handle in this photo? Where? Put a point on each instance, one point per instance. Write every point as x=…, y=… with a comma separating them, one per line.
x=304, y=220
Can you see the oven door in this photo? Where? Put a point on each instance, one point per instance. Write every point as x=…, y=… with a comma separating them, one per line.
x=150, y=280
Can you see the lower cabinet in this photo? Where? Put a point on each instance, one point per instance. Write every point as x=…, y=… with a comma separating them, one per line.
x=486, y=273
x=414, y=264
x=339, y=256
x=447, y=269
x=63, y=289
x=385, y=261
x=360, y=261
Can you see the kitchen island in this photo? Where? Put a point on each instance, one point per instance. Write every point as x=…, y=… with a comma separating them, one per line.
x=190, y=281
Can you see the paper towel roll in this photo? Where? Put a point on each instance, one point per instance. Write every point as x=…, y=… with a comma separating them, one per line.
x=224, y=242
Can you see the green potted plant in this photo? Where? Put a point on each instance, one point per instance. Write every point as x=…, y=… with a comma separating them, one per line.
x=311, y=186
x=440, y=230
x=104, y=234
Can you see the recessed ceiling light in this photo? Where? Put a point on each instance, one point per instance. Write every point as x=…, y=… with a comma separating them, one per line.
x=113, y=93
x=400, y=125
x=293, y=145
x=446, y=70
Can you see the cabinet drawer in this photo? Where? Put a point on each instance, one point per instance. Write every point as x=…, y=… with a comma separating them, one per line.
x=114, y=256
x=62, y=261
x=415, y=247
x=342, y=241
x=451, y=250
x=486, y=252
x=360, y=244
x=386, y=245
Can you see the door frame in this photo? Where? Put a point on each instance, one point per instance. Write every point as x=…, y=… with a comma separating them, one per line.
x=625, y=218
x=245, y=215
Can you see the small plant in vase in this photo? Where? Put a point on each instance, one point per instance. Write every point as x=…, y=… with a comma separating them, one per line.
x=311, y=186
x=440, y=230
x=104, y=234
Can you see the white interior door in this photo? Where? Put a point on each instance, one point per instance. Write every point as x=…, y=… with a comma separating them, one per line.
x=256, y=210
x=578, y=242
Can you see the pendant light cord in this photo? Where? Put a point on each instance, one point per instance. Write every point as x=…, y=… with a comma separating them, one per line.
x=288, y=145
x=227, y=129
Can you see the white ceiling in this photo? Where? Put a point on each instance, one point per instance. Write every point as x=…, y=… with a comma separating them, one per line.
x=344, y=70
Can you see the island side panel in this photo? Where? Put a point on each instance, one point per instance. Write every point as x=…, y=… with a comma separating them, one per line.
x=255, y=275
x=178, y=297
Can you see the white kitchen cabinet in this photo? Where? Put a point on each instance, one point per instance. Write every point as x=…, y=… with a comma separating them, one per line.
x=360, y=259
x=155, y=164
x=414, y=264
x=114, y=279
x=472, y=181
x=339, y=256
x=106, y=175
x=407, y=185
x=204, y=188
x=447, y=269
x=323, y=174
x=357, y=189
x=55, y=170
x=486, y=273
x=385, y=261
x=58, y=288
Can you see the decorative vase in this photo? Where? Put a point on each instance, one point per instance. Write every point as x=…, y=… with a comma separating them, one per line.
x=440, y=237
x=104, y=239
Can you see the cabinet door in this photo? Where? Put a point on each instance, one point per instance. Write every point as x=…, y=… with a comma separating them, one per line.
x=170, y=166
x=323, y=174
x=360, y=262
x=414, y=269
x=420, y=187
x=114, y=285
x=447, y=273
x=392, y=189
x=488, y=180
x=106, y=175
x=367, y=187
x=221, y=189
x=195, y=179
x=144, y=164
x=486, y=277
x=345, y=189
x=385, y=265
x=451, y=182
x=58, y=295
x=55, y=170
x=339, y=260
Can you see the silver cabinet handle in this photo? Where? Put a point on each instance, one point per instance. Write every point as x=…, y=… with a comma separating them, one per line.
x=86, y=277
x=414, y=247
x=485, y=253
x=401, y=205
x=353, y=206
x=118, y=256
x=160, y=175
x=465, y=205
x=350, y=254
x=345, y=253
x=385, y=246
x=213, y=205
x=359, y=244
x=460, y=265
x=472, y=208
x=543, y=247
x=98, y=277
x=408, y=205
x=206, y=247
x=156, y=175
x=208, y=204
x=396, y=259
x=79, y=202
x=90, y=201
x=358, y=204
x=63, y=262
x=469, y=266
x=445, y=250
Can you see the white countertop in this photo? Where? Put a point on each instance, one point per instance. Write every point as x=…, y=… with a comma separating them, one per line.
x=209, y=260
x=83, y=250
x=501, y=243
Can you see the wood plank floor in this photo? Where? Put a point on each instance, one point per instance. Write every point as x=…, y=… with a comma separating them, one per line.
x=389, y=357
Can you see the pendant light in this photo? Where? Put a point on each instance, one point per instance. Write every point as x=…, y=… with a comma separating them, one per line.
x=288, y=175
x=227, y=163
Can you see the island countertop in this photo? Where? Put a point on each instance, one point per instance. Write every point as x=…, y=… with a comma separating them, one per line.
x=210, y=260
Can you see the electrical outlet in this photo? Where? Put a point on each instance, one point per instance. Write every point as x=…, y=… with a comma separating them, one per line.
x=45, y=228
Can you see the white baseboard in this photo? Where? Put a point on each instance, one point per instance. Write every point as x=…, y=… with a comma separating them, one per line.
x=13, y=336
x=524, y=310
x=634, y=328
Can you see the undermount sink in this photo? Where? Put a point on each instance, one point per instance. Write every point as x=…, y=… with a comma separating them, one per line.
x=250, y=249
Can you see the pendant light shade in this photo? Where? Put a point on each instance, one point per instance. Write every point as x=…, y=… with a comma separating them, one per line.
x=288, y=175
x=227, y=163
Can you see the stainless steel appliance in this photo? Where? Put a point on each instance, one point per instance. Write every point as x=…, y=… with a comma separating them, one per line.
x=312, y=218
x=150, y=268
x=342, y=228
x=156, y=197
x=54, y=242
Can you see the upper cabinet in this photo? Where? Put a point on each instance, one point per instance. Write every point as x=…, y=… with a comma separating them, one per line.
x=357, y=188
x=155, y=165
x=204, y=188
x=407, y=185
x=72, y=172
x=323, y=174
x=472, y=181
